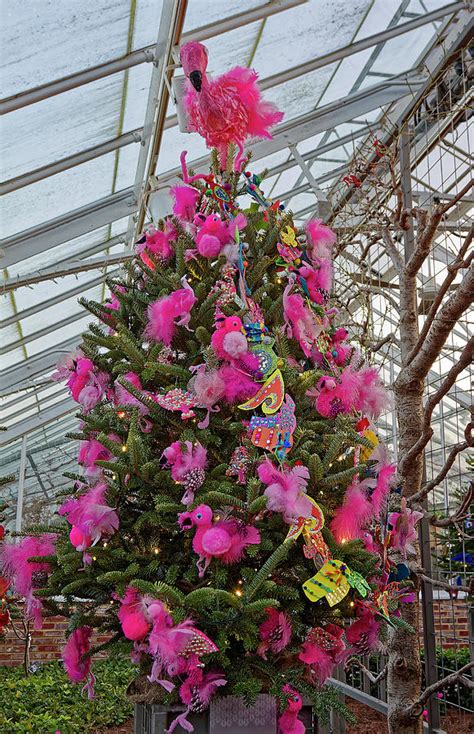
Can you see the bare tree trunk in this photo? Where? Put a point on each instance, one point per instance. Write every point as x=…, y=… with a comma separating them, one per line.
x=404, y=665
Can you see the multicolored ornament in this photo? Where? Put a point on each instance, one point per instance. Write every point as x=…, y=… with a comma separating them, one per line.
x=220, y=193
x=270, y=396
x=333, y=581
x=239, y=464
x=178, y=400
x=311, y=528
x=275, y=432
x=253, y=189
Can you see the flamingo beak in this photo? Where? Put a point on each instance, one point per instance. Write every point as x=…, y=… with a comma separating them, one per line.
x=195, y=78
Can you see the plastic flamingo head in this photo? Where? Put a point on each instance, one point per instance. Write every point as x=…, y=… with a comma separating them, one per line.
x=294, y=699
x=194, y=61
x=202, y=515
x=326, y=383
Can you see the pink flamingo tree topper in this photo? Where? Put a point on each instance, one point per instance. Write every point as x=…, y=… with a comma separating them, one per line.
x=228, y=109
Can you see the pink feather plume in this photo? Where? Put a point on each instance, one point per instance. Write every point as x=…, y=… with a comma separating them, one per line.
x=320, y=239
x=275, y=632
x=78, y=667
x=185, y=201
x=285, y=490
x=353, y=514
x=165, y=314
x=90, y=514
x=24, y=576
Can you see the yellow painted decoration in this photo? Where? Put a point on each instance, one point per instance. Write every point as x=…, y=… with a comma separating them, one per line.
x=365, y=452
x=288, y=236
x=329, y=582
x=270, y=396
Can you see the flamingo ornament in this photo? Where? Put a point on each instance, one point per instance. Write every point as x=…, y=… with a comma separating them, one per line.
x=225, y=110
x=224, y=539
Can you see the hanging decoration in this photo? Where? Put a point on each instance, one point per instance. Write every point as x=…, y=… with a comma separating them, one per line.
x=270, y=396
x=310, y=528
x=333, y=581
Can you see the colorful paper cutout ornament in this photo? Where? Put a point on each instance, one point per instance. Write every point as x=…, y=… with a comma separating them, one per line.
x=270, y=396
x=288, y=236
x=311, y=528
x=358, y=582
x=330, y=582
x=275, y=432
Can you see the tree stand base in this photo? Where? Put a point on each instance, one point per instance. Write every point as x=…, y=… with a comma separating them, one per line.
x=226, y=715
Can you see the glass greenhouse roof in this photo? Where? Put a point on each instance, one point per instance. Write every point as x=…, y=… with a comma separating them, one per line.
x=86, y=99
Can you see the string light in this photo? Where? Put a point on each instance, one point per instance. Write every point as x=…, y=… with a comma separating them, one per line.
x=121, y=414
x=351, y=604
x=94, y=558
x=114, y=477
x=104, y=545
x=156, y=551
x=124, y=448
x=238, y=592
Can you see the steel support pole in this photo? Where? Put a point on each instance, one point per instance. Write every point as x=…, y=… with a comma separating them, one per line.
x=21, y=484
x=429, y=637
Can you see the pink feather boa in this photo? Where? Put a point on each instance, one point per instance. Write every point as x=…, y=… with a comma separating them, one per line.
x=24, y=576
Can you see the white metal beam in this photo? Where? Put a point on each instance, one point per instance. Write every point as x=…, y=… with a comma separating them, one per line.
x=4, y=349
x=76, y=223
x=310, y=124
x=64, y=164
x=143, y=55
x=64, y=296
x=67, y=227
x=37, y=421
x=65, y=268
x=43, y=362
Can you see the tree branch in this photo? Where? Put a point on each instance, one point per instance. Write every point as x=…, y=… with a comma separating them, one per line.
x=373, y=678
x=442, y=584
x=452, y=272
x=427, y=432
x=392, y=250
x=456, y=449
x=428, y=232
x=441, y=327
x=457, y=677
x=459, y=515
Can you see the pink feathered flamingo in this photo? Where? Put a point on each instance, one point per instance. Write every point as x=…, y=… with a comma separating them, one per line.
x=225, y=539
x=228, y=109
x=288, y=723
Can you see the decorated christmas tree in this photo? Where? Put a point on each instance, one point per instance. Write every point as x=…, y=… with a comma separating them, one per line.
x=229, y=524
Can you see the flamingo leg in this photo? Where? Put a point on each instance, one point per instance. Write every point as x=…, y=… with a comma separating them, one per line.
x=238, y=158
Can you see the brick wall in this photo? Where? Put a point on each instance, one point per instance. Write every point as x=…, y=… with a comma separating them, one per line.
x=46, y=643
x=450, y=621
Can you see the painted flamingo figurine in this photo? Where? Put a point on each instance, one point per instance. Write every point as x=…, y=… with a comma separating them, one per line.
x=288, y=723
x=224, y=539
x=225, y=110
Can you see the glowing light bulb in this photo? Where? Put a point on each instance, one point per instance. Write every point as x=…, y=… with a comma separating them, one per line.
x=94, y=558
x=238, y=592
x=121, y=414
x=124, y=448
x=104, y=545
x=156, y=551
x=351, y=604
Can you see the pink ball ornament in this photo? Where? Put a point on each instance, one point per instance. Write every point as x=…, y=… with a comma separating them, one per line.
x=135, y=626
x=78, y=538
